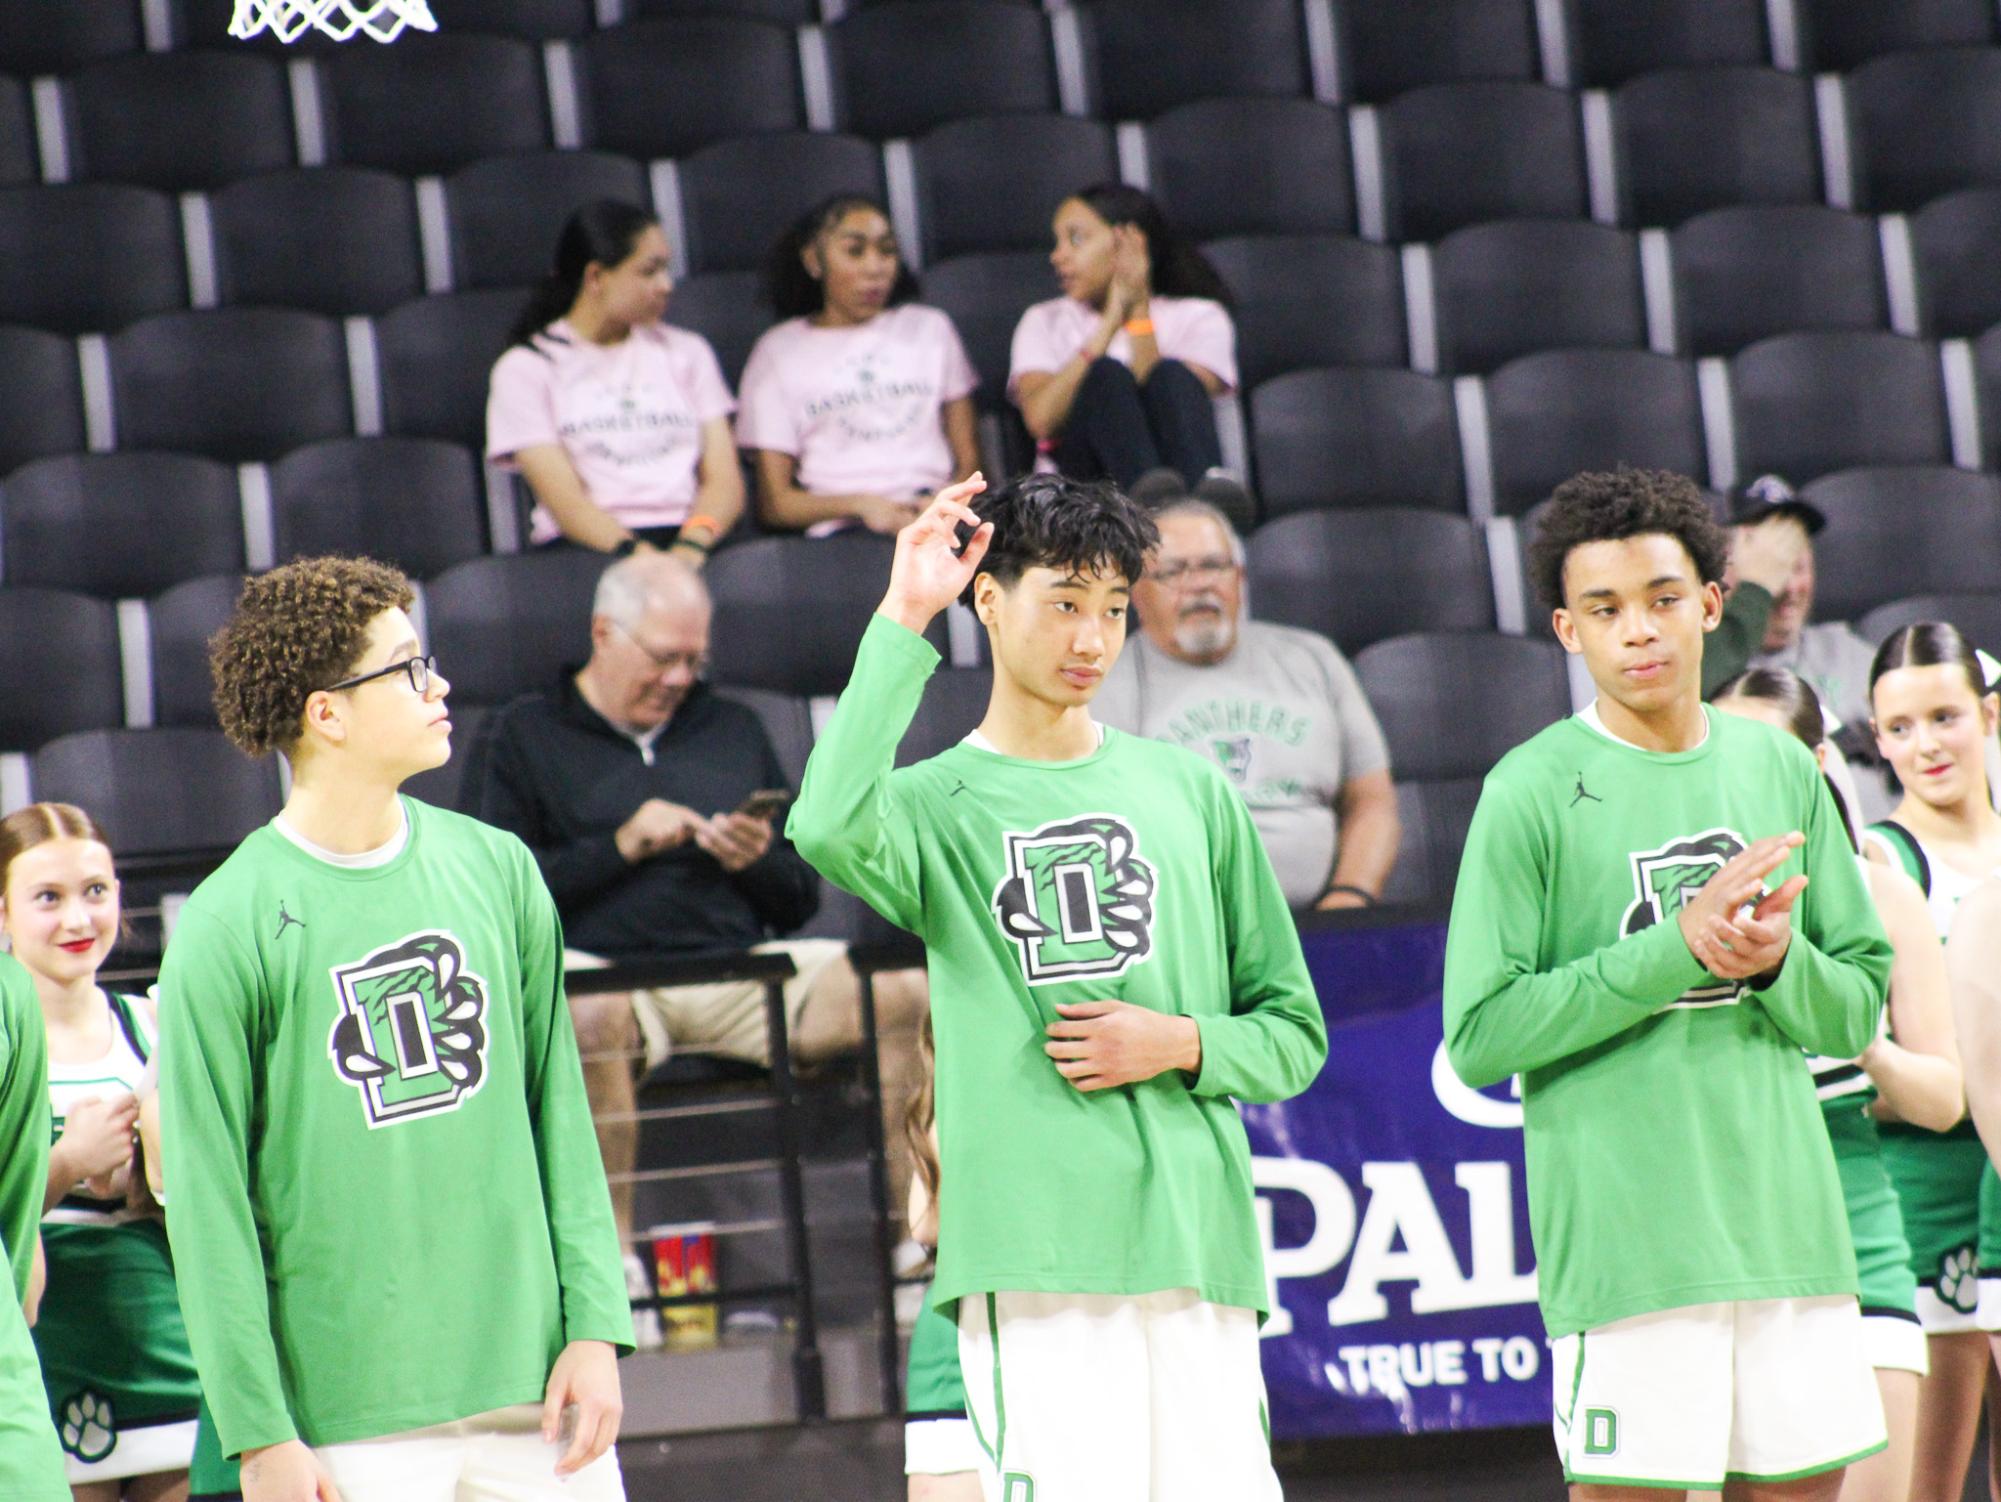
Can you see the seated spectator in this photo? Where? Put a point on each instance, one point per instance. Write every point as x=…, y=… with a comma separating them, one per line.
x=628, y=780
x=859, y=404
x=618, y=422
x=1278, y=708
x=1767, y=617
x=1116, y=378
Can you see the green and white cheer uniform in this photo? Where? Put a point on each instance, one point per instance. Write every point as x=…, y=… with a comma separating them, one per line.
x=1677, y=1159
x=115, y=1360
x=31, y=1465
x=938, y=1438
x=383, y=1188
x=1942, y=1178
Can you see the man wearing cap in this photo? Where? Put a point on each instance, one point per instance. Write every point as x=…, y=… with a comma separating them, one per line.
x=1766, y=617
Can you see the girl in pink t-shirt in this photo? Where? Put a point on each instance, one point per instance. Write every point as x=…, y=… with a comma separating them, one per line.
x=1117, y=377
x=860, y=403
x=619, y=422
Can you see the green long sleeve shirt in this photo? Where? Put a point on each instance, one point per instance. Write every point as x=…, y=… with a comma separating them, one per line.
x=1674, y=1144
x=385, y=1198
x=1133, y=874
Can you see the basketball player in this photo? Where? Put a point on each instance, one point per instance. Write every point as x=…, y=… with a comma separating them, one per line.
x=390, y=1220
x=1112, y=966
x=1614, y=942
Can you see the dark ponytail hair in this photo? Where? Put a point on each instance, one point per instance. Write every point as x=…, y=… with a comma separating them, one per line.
x=1929, y=644
x=601, y=233
x=1804, y=716
x=1179, y=269
x=792, y=290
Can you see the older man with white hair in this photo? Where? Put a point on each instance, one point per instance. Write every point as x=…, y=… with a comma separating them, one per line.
x=1278, y=708
x=651, y=804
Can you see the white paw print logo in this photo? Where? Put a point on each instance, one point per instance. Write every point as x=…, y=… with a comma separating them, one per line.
x=1958, y=1283
x=89, y=1430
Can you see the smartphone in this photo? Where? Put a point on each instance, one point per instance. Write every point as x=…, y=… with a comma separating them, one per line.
x=765, y=803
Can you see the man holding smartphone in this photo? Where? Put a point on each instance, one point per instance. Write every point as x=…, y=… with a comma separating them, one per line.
x=651, y=804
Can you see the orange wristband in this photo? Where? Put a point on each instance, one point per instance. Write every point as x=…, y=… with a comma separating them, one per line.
x=1139, y=328
x=715, y=527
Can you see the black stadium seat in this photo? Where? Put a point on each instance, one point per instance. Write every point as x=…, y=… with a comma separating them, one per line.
x=666, y=88
x=788, y=720
x=1611, y=40
x=1894, y=531
x=1507, y=288
x=1922, y=124
x=993, y=183
x=17, y=134
x=334, y=240
x=1252, y=167
x=1954, y=239
x=179, y=623
x=233, y=383
x=1154, y=54
x=41, y=396
x=38, y=39
x=1389, y=47
x=88, y=257
x=1689, y=139
x=119, y=525
x=1359, y=576
x=1806, y=404
x=1837, y=35
x=475, y=96
x=1978, y=616
x=538, y=603
x=533, y=20
x=986, y=296
x=1452, y=703
x=1987, y=374
x=1352, y=436
x=900, y=69
x=1556, y=413
x=413, y=502
x=506, y=212
x=1435, y=818
x=161, y=791
x=1457, y=154
x=738, y=196
x=37, y=702
x=1744, y=274
x=1302, y=301
x=179, y=120
x=756, y=641
x=778, y=12
x=436, y=355
x=727, y=309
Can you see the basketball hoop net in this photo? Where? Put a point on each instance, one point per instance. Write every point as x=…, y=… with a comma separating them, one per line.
x=383, y=20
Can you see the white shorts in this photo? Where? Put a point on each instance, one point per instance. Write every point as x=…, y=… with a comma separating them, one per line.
x=1758, y=1390
x=1080, y=1397
x=940, y=1447
x=1894, y=1344
x=490, y=1457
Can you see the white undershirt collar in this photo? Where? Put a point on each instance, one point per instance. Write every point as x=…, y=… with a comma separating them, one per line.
x=364, y=860
x=980, y=743
x=1590, y=716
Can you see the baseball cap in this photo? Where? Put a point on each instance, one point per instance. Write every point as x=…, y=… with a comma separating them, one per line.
x=1771, y=495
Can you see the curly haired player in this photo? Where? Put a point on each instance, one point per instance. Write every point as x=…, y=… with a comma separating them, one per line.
x=372, y=1108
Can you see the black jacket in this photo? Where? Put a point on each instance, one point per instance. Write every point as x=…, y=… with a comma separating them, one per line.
x=552, y=770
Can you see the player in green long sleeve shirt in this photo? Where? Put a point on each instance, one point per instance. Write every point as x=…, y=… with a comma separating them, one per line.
x=1614, y=941
x=31, y=1463
x=383, y=1189
x=1112, y=962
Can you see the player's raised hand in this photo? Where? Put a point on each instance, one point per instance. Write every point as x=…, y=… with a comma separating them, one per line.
x=931, y=569
x=583, y=1395
x=1726, y=940
x=1099, y=1044
x=286, y=1473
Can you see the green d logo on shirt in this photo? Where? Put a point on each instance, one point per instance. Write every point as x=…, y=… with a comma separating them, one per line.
x=1665, y=879
x=1077, y=899
x=411, y=1035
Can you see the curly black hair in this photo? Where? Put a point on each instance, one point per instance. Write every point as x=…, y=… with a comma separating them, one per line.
x=1052, y=521
x=295, y=630
x=1606, y=507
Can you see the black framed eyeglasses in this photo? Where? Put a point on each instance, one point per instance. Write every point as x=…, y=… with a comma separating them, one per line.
x=417, y=669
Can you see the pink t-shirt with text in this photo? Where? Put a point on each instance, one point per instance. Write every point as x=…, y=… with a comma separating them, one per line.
x=859, y=408
x=1194, y=330
x=629, y=415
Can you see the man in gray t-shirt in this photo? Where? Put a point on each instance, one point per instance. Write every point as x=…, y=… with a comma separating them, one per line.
x=1277, y=708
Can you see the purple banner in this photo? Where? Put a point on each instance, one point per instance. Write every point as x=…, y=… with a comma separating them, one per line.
x=1395, y=1216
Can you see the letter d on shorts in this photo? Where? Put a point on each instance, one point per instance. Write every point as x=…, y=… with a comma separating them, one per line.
x=1601, y=1431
